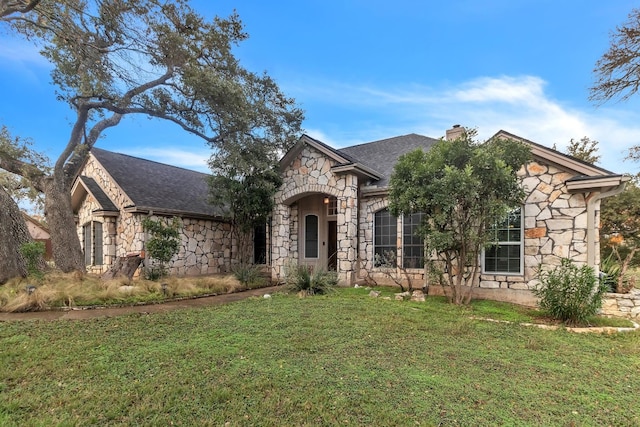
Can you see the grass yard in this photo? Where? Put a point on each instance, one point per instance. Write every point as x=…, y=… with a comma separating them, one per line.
x=341, y=359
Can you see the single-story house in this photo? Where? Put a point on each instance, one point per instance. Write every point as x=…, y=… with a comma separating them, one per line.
x=113, y=194
x=331, y=212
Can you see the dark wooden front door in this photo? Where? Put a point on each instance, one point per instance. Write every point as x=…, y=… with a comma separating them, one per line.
x=332, y=245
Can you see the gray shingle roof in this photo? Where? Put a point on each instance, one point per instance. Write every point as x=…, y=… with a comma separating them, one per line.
x=157, y=186
x=382, y=155
x=101, y=197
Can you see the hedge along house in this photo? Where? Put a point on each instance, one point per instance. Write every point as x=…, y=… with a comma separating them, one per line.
x=114, y=193
x=332, y=212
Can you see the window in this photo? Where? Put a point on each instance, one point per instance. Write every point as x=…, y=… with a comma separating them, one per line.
x=311, y=236
x=92, y=239
x=505, y=256
x=412, y=243
x=332, y=206
x=385, y=232
x=97, y=243
x=260, y=244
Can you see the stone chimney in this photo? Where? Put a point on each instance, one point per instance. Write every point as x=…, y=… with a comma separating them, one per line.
x=455, y=132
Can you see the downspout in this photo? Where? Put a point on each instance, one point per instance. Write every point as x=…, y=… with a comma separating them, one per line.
x=591, y=219
x=358, y=207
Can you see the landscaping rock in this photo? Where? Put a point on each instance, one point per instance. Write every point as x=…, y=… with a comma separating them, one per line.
x=402, y=296
x=417, y=295
x=374, y=294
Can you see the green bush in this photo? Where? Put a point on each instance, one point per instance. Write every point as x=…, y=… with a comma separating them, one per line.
x=33, y=253
x=570, y=293
x=248, y=275
x=310, y=281
x=163, y=244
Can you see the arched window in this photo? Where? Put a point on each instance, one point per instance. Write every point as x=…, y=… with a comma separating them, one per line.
x=311, y=236
x=385, y=238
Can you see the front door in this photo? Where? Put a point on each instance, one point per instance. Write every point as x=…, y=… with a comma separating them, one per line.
x=332, y=245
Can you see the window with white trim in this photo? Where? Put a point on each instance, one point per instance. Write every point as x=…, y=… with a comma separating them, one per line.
x=505, y=255
x=385, y=237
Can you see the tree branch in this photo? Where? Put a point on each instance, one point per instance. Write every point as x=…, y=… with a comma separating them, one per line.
x=24, y=169
x=8, y=8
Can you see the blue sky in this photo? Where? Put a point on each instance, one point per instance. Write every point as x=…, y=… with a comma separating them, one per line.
x=368, y=70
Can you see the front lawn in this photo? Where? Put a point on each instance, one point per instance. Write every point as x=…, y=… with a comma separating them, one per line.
x=341, y=359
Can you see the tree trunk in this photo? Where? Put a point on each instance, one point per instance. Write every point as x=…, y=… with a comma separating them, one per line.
x=67, y=252
x=13, y=233
x=124, y=266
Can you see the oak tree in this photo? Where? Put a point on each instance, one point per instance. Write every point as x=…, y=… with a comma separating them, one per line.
x=114, y=58
x=617, y=72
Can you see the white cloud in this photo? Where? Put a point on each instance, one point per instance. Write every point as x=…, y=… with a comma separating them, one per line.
x=517, y=104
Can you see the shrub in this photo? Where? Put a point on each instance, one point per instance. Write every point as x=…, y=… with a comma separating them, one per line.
x=570, y=293
x=33, y=253
x=310, y=281
x=248, y=275
x=163, y=244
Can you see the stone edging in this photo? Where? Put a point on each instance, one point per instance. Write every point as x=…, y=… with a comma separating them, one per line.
x=598, y=330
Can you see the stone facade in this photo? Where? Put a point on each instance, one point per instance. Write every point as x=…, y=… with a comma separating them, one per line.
x=622, y=305
x=205, y=245
x=554, y=222
x=555, y=225
x=309, y=178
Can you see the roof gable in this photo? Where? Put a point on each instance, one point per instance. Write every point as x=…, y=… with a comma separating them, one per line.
x=86, y=185
x=555, y=157
x=373, y=160
x=158, y=187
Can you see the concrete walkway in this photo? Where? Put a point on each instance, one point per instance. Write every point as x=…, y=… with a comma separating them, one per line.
x=92, y=313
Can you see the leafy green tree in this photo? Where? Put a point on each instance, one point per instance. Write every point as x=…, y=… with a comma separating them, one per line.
x=584, y=149
x=617, y=72
x=116, y=58
x=620, y=228
x=462, y=187
x=163, y=244
x=245, y=179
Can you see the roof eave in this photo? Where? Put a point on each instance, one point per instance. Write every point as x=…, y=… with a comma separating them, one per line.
x=596, y=183
x=321, y=147
x=357, y=168
x=557, y=158
x=147, y=210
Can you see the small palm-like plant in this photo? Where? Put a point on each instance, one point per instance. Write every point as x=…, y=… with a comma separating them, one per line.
x=307, y=280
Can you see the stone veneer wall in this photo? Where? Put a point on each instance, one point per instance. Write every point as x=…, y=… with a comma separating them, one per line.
x=555, y=227
x=205, y=245
x=310, y=173
x=205, y=248
x=622, y=305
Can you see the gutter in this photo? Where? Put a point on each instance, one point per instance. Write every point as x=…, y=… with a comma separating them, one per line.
x=591, y=218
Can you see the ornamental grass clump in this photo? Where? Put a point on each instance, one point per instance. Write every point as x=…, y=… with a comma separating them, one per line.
x=570, y=293
x=306, y=280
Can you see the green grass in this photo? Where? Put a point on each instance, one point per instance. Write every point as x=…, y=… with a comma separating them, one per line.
x=341, y=359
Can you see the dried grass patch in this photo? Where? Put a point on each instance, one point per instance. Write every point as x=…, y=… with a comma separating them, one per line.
x=57, y=289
